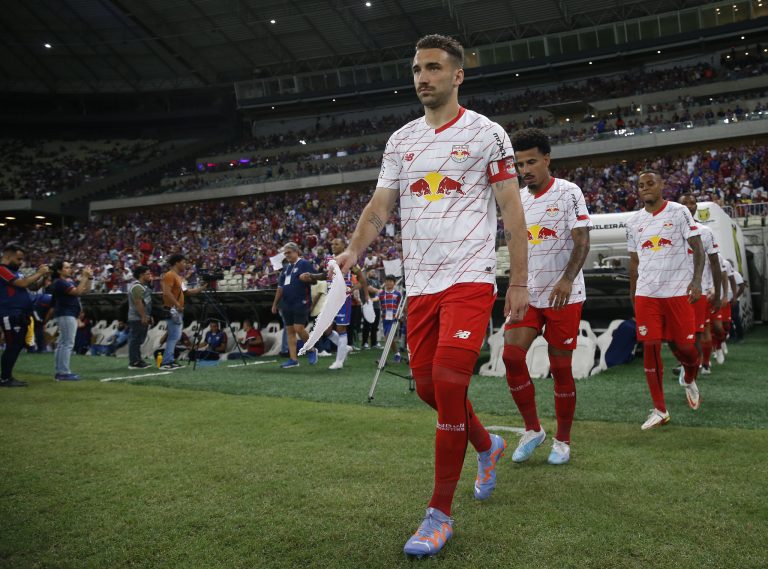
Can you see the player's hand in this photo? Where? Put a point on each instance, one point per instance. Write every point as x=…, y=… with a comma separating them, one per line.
x=561, y=294
x=305, y=278
x=346, y=260
x=694, y=292
x=516, y=303
x=144, y=321
x=714, y=303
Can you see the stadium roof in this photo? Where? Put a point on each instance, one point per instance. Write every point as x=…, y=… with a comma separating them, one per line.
x=102, y=46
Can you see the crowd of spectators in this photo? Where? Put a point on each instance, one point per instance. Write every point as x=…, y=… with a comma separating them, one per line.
x=39, y=170
x=240, y=236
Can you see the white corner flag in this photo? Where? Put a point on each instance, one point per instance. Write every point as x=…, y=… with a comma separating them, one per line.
x=337, y=294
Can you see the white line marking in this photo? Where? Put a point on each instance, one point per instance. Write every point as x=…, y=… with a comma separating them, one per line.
x=135, y=376
x=252, y=363
x=519, y=430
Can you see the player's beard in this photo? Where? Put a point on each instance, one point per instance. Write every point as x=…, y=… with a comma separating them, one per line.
x=435, y=100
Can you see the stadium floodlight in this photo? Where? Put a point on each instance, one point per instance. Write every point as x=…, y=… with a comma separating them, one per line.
x=367, y=4
x=39, y=217
x=10, y=218
x=47, y=46
x=273, y=21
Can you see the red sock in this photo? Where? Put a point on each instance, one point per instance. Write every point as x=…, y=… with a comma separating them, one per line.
x=450, y=442
x=520, y=386
x=688, y=356
x=654, y=372
x=565, y=395
x=717, y=338
x=706, y=353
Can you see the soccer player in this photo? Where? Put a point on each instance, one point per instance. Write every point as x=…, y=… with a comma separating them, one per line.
x=446, y=168
x=390, y=299
x=663, y=286
x=721, y=320
x=558, y=243
x=710, y=287
x=16, y=304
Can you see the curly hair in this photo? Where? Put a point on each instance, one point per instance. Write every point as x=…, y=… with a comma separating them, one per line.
x=531, y=138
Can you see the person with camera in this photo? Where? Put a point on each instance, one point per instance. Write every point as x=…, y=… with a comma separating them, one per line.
x=66, y=311
x=173, y=305
x=15, y=307
x=139, y=315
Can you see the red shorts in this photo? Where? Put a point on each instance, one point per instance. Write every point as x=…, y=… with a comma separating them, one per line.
x=701, y=310
x=457, y=317
x=672, y=319
x=724, y=313
x=562, y=326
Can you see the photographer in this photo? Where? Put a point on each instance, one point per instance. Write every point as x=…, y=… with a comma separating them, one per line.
x=66, y=311
x=173, y=304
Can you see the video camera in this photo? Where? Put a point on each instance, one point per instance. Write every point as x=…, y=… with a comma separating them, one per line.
x=209, y=276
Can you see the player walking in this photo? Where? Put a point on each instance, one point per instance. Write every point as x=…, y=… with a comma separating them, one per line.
x=664, y=285
x=446, y=168
x=558, y=243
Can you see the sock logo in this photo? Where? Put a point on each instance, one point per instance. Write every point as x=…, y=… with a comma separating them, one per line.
x=519, y=387
x=462, y=334
x=459, y=427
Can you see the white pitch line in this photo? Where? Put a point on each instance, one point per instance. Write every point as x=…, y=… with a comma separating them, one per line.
x=518, y=430
x=253, y=363
x=135, y=376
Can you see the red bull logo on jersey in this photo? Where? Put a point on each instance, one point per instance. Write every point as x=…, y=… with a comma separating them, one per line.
x=538, y=234
x=656, y=243
x=434, y=186
x=552, y=210
x=460, y=152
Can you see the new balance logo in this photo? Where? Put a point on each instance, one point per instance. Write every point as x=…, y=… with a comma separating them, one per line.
x=568, y=341
x=689, y=337
x=462, y=334
x=449, y=427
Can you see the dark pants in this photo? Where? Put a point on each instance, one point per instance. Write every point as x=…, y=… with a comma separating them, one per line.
x=138, y=335
x=353, y=330
x=15, y=331
x=371, y=329
x=738, y=329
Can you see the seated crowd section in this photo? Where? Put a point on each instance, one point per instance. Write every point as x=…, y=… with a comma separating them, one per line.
x=240, y=235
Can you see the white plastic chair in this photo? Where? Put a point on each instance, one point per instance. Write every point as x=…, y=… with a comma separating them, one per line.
x=584, y=357
x=537, y=358
x=494, y=367
x=603, y=342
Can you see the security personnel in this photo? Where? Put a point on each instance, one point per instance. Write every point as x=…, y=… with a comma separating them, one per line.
x=16, y=305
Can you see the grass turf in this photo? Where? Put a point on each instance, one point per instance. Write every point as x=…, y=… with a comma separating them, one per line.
x=303, y=473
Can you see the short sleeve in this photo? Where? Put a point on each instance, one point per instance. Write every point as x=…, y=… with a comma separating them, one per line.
x=500, y=157
x=7, y=276
x=708, y=240
x=687, y=226
x=391, y=165
x=576, y=212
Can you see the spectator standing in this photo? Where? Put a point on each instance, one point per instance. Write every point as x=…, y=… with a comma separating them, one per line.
x=139, y=315
x=294, y=302
x=66, y=311
x=371, y=329
x=15, y=307
x=173, y=302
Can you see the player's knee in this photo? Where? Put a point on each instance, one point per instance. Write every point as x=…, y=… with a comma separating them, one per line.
x=453, y=365
x=514, y=358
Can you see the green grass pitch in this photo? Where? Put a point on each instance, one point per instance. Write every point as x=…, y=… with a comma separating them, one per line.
x=261, y=467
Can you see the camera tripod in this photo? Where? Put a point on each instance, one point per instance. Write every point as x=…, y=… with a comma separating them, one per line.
x=385, y=352
x=211, y=309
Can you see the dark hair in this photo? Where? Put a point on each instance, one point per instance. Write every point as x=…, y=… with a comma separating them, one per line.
x=688, y=195
x=56, y=268
x=390, y=278
x=531, y=138
x=650, y=172
x=448, y=44
x=140, y=270
x=175, y=258
x=13, y=248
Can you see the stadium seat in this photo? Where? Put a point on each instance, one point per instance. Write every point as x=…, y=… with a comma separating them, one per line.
x=603, y=341
x=585, y=329
x=584, y=357
x=273, y=337
x=494, y=367
x=537, y=358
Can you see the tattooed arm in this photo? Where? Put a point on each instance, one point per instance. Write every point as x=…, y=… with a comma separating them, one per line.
x=369, y=226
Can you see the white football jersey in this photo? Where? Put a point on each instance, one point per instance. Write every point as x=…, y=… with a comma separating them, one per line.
x=710, y=248
x=661, y=242
x=727, y=268
x=550, y=216
x=447, y=207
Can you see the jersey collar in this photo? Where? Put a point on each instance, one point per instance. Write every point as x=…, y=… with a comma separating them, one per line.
x=662, y=208
x=545, y=190
x=451, y=122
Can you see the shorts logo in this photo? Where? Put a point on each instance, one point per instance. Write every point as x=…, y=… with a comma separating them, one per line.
x=568, y=341
x=552, y=210
x=656, y=243
x=462, y=334
x=460, y=152
x=643, y=330
x=538, y=233
x=434, y=186
x=408, y=157
x=689, y=337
